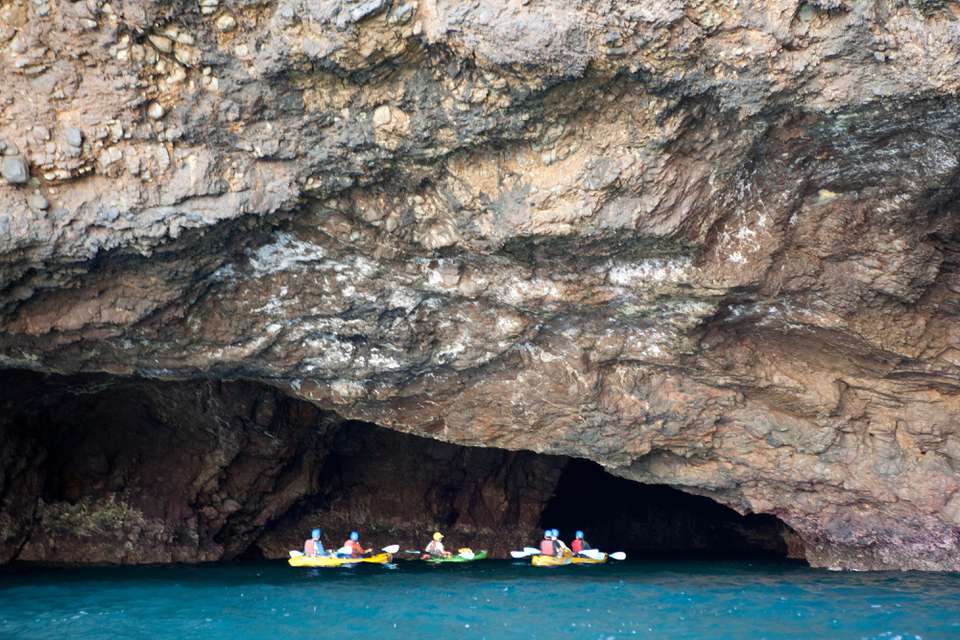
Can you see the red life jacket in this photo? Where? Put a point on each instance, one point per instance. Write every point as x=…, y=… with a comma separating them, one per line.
x=310, y=548
x=546, y=547
x=577, y=545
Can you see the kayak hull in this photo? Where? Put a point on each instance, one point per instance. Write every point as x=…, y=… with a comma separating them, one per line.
x=585, y=560
x=333, y=561
x=479, y=555
x=552, y=561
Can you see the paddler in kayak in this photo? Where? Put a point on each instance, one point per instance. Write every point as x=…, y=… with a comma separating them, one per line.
x=313, y=547
x=549, y=545
x=435, y=547
x=562, y=549
x=352, y=547
x=579, y=544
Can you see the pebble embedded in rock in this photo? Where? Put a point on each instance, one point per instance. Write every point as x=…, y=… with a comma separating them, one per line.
x=10, y=149
x=162, y=43
x=38, y=202
x=155, y=111
x=381, y=115
x=226, y=23
x=14, y=169
x=74, y=137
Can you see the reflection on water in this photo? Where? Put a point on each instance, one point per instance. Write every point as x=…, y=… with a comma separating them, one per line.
x=489, y=599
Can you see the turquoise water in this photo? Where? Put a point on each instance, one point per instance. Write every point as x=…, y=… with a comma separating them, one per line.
x=490, y=599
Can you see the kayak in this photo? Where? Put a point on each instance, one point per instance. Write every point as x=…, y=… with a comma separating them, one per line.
x=553, y=561
x=586, y=560
x=333, y=561
x=479, y=555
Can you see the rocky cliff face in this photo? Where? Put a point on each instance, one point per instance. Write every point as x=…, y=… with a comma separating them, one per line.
x=706, y=244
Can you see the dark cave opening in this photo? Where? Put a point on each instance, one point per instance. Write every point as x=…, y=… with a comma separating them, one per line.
x=616, y=513
x=106, y=469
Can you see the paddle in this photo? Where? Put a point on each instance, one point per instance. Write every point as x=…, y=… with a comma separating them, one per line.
x=526, y=553
x=596, y=554
x=392, y=549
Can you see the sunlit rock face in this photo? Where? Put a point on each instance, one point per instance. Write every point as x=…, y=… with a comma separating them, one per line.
x=704, y=244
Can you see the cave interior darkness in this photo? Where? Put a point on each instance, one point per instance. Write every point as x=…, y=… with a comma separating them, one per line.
x=651, y=520
x=70, y=444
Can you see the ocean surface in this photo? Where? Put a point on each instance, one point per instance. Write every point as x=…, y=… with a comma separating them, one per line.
x=487, y=599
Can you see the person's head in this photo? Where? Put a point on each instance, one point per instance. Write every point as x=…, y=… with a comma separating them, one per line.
x=546, y=533
x=315, y=534
x=437, y=536
x=555, y=533
x=354, y=536
x=579, y=535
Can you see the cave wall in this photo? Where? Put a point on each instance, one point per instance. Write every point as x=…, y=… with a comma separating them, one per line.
x=105, y=470
x=705, y=244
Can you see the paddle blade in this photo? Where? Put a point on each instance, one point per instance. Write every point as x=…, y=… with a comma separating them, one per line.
x=392, y=549
x=619, y=555
x=296, y=554
x=519, y=554
x=531, y=551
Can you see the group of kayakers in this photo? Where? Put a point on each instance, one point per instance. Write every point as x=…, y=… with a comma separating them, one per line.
x=313, y=547
x=551, y=545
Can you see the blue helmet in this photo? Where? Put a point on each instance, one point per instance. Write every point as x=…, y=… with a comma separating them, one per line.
x=354, y=536
x=547, y=532
x=315, y=534
x=556, y=533
x=580, y=535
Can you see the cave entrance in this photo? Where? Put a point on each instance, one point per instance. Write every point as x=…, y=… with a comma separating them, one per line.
x=620, y=514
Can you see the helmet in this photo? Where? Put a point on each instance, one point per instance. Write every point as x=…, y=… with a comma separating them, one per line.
x=315, y=534
x=437, y=536
x=555, y=533
x=580, y=534
x=547, y=533
x=354, y=536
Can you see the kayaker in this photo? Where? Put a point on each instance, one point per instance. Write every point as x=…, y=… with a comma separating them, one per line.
x=352, y=547
x=561, y=548
x=313, y=547
x=547, y=545
x=435, y=547
x=579, y=544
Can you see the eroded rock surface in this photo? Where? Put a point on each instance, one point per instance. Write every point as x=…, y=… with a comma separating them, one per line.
x=707, y=244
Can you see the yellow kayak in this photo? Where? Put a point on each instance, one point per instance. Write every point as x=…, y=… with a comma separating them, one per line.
x=586, y=560
x=550, y=561
x=553, y=561
x=333, y=561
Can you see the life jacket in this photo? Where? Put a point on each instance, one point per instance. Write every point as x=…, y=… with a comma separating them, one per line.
x=310, y=548
x=546, y=548
x=354, y=547
x=435, y=547
x=577, y=545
